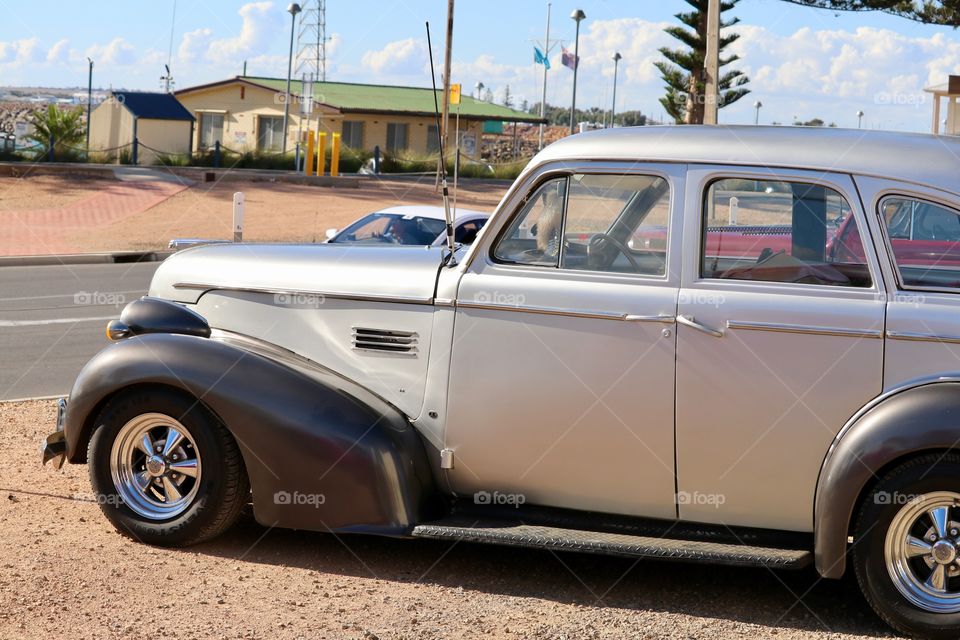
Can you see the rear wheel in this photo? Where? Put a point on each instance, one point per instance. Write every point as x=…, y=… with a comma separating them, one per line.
x=165, y=471
x=907, y=551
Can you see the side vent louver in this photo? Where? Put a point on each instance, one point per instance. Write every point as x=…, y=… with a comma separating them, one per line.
x=385, y=340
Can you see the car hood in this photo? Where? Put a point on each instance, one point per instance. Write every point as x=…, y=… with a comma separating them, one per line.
x=397, y=272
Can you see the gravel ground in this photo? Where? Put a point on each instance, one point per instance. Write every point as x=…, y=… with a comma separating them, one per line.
x=65, y=572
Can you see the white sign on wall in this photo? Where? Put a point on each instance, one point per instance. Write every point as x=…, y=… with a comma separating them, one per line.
x=468, y=145
x=21, y=130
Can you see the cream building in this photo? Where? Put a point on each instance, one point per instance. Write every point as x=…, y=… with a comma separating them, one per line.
x=157, y=121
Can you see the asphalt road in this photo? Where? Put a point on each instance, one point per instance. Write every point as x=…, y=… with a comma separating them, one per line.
x=52, y=321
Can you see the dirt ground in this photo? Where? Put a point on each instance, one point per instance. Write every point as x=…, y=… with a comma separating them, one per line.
x=275, y=211
x=64, y=572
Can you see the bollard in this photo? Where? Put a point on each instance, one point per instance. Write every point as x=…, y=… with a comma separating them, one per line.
x=50, y=153
x=239, y=201
x=734, y=210
x=376, y=159
x=322, y=153
x=216, y=155
x=308, y=167
x=136, y=145
x=335, y=156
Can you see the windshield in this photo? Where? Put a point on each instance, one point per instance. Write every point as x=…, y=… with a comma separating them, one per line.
x=391, y=228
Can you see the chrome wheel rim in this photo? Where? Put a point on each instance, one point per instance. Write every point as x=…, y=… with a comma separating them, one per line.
x=922, y=552
x=155, y=465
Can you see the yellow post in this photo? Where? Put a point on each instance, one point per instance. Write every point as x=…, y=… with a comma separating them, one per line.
x=322, y=153
x=308, y=168
x=335, y=156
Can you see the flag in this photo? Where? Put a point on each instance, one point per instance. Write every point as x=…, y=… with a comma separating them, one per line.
x=539, y=58
x=567, y=59
x=455, y=94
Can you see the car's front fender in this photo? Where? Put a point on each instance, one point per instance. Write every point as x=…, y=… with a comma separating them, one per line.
x=909, y=421
x=321, y=452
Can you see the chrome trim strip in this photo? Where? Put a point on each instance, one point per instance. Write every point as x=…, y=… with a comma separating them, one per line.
x=804, y=329
x=303, y=292
x=444, y=302
x=569, y=313
x=922, y=337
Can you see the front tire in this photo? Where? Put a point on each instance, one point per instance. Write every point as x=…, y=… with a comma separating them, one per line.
x=907, y=551
x=164, y=470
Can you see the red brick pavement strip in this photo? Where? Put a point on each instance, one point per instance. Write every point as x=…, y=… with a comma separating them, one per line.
x=52, y=231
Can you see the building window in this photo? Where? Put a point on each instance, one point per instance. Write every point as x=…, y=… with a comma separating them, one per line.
x=211, y=129
x=270, y=133
x=396, y=136
x=352, y=134
x=433, y=139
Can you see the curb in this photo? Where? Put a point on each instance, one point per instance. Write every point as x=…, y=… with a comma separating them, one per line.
x=117, y=257
x=34, y=399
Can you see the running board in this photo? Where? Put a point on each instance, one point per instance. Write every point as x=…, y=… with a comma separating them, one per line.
x=516, y=534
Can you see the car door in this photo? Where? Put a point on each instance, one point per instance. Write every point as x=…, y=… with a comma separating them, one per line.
x=562, y=372
x=779, y=341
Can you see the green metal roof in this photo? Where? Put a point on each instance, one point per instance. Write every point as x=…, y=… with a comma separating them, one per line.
x=350, y=97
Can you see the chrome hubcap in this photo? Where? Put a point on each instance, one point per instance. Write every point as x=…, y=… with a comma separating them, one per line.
x=155, y=466
x=922, y=552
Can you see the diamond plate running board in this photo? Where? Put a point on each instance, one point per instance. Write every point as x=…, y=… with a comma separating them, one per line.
x=538, y=537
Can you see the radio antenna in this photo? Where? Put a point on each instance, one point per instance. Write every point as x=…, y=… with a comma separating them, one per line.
x=451, y=259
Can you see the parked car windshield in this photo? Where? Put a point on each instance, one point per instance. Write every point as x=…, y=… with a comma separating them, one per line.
x=392, y=228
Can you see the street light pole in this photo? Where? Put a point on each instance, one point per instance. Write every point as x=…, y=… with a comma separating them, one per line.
x=577, y=16
x=89, y=103
x=293, y=9
x=860, y=115
x=756, y=117
x=613, y=106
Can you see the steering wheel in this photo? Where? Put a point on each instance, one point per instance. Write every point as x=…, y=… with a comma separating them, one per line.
x=598, y=238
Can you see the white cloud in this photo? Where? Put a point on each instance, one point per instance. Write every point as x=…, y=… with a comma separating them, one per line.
x=59, y=52
x=20, y=51
x=194, y=45
x=117, y=52
x=401, y=57
x=261, y=25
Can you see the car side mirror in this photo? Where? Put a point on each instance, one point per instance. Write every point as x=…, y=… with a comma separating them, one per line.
x=331, y=234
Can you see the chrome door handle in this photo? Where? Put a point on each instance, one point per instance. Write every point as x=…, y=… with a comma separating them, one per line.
x=693, y=324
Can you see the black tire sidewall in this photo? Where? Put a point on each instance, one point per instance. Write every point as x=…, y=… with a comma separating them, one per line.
x=921, y=476
x=188, y=527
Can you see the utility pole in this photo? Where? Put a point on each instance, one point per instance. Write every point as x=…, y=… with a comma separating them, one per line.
x=543, y=96
x=446, y=76
x=613, y=105
x=711, y=95
x=89, y=102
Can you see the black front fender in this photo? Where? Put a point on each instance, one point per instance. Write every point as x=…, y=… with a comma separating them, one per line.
x=321, y=452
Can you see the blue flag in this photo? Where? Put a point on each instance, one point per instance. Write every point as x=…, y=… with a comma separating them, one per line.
x=539, y=58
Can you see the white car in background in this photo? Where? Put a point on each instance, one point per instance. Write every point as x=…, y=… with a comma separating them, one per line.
x=410, y=225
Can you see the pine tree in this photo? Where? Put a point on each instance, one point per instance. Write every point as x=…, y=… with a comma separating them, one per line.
x=507, y=97
x=685, y=88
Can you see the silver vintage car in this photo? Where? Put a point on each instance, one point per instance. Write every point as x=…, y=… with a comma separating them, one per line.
x=737, y=345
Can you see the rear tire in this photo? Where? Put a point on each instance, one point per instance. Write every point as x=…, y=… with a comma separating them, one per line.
x=907, y=551
x=192, y=485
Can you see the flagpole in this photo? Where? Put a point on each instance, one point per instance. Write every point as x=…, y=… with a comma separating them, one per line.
x=543, y=98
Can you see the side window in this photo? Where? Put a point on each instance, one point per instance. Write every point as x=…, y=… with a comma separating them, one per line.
x=590, y=222
x=925, y=239
x=775, y=231
x=533, y=237
x=617, y=224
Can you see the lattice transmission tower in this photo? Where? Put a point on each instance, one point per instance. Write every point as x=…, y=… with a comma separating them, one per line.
x=312, y=41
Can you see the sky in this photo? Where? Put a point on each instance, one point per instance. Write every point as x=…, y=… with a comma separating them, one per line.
x=803, y=63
